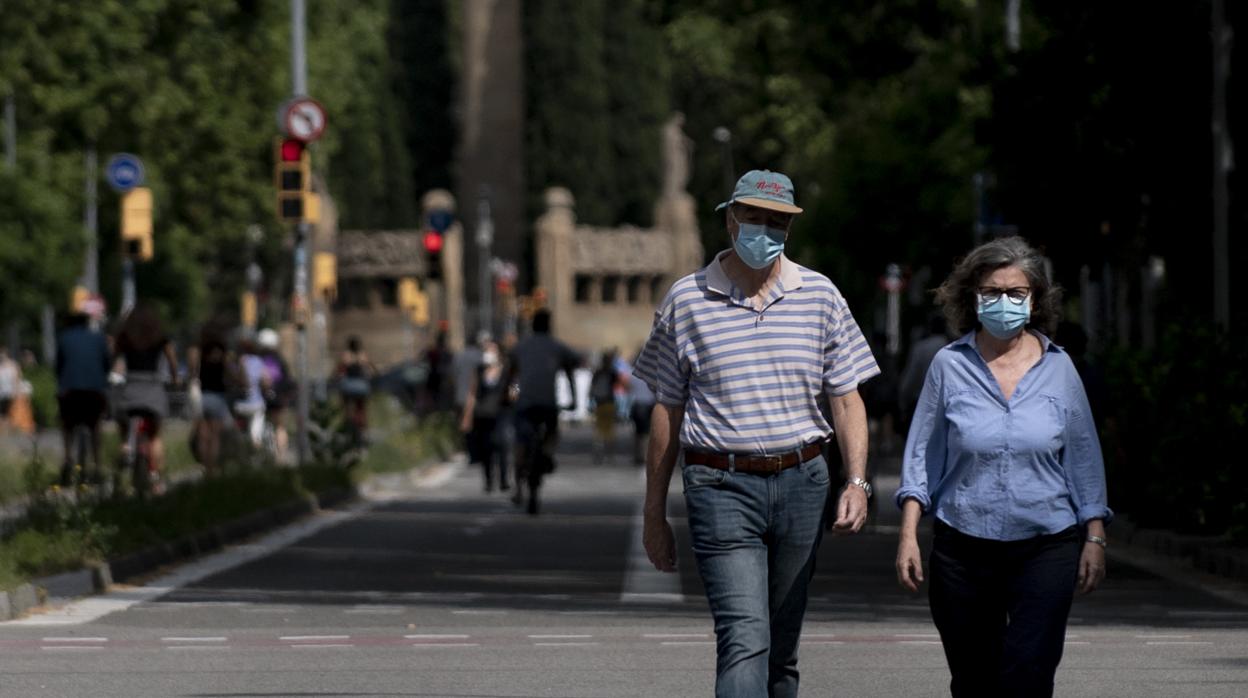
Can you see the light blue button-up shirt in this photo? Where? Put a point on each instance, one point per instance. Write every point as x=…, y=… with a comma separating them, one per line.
x=998, y=469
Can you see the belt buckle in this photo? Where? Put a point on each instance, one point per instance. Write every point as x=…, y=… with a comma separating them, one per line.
x=773, y=464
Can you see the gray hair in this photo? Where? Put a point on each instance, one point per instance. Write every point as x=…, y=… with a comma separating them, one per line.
x=956, y=295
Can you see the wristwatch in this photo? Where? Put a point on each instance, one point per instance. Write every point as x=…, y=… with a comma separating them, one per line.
x=1098, y=540
x=860, y=483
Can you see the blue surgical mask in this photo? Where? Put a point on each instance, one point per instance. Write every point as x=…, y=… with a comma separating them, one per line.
x=758, y=245
x=1003, y=318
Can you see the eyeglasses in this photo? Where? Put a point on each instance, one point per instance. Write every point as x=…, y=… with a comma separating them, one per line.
x=989, y=295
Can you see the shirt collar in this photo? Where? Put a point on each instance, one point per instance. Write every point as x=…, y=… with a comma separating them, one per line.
x=1046, y=344
x=717, y=279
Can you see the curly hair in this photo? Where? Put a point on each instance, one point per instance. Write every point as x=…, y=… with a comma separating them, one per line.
x=956, y=295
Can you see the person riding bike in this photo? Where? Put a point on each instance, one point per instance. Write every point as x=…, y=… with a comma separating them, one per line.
x=250, y=407
x=535, y=362
x=82, y=362
x=140, y=345
x=355, y=373
x=278, y=389
x=214, y=370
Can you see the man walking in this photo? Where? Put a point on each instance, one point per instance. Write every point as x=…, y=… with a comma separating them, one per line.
x=737, y=357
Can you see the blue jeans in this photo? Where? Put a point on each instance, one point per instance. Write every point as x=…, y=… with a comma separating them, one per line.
x=755, y=538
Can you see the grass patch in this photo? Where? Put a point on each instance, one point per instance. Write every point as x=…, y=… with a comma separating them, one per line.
x=432, y=438
x=56, y=535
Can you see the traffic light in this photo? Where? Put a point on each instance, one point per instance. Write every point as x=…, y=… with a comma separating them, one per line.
x=414, y=301
x=325, y=275
x=292, y=177
x=433, y=254
x=136, y=223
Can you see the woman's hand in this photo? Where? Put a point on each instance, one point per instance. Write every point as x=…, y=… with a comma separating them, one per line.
x=1091, y=567
x=909, y=563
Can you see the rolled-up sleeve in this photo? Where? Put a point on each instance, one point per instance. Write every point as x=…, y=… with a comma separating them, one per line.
x=847, y=359
x=926, y=445
x=659, y=365
x=1081, y=457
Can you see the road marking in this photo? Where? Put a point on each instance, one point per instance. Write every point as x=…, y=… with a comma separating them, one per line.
x=1179, y=642
x=675, y=636
x=817, y=636
x=560, y=637
x=1162, y=637
x=202, y=648
x=312, y=638
x=475, y=612
x=918, y=642
x=193, y=639
x=96, y=607
x=75, y=639
x=378, y=609
x=331, y=645
x=823, y=642
x=436, y=637
x=917, y=636
x=1078, y=642
x=642, y=582
x=565, y=644
x=72, y=647
x=445, y=644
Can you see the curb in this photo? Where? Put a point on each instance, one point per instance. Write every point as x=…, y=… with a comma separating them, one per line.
x=1214, y=555
x=97, y=578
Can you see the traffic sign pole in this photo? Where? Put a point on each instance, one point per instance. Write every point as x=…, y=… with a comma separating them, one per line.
x=299, y=88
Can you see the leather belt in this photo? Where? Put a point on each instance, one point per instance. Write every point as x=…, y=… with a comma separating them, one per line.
x=751, y=463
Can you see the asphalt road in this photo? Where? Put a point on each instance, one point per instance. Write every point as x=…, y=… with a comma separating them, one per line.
x=438, y=589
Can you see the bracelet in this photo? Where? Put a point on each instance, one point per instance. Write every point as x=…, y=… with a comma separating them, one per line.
x=1098, y=540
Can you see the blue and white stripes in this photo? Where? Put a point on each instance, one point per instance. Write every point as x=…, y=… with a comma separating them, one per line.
x=748, y=379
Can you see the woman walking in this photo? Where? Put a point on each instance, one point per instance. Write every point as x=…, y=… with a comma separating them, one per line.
x=1004, y=454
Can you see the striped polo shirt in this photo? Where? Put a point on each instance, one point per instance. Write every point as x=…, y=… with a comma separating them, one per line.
x=749, y=380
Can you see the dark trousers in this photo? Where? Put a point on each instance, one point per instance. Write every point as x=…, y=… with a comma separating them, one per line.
x=1001, y=609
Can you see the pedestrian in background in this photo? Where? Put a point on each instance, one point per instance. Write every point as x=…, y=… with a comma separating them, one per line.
x=10, y=380
x=355, y=374
x=214, y=372
x=602, y=388
x=640, y=405
x=737, y=357
x=486, y=393
x=1003, y=452
x=921, y=355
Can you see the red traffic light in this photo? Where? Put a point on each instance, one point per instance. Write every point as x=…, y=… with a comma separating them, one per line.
x=291, y=150
x=433, y=241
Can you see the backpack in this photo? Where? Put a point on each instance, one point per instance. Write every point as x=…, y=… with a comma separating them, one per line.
x=602, y=387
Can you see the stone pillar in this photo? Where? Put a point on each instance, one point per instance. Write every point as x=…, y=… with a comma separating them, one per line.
x=555, y=228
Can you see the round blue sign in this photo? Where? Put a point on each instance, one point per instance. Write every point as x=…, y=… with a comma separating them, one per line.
x=124, y=172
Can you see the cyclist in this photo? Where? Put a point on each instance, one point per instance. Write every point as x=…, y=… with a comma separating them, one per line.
x=251, y=407
x=82, y=360
x=278, y=387
x=140, y=345
x=214, y=370
x=535, y=363
x=355, y=372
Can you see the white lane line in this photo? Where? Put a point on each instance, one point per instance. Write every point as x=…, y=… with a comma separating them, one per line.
x=687, y=643
x=436, y=637
x=560, y=637
x=676, y=636
x=75, y=639
x=312, y=638
x=917, y=636
x=918, y=642
x=1154, y=636
x=478, y=612
x=71, y=648
x=642, y=582
x=1178, y=642
x=565, y=644
x=96, y=607
x=216, y=638
x=1078, y=642
x=445, y=644
x=325, y=646
x=375, y=610
x=201, y=648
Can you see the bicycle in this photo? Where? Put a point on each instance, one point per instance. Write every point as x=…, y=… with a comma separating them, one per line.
x=535, y=460
x=137, y=454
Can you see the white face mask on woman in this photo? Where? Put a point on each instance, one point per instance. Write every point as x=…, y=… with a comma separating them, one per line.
x=490, y=358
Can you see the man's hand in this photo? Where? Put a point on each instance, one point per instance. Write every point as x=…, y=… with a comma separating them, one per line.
x=909, y=564
x=1091, y=567
x=660, y=543
x=851, y=512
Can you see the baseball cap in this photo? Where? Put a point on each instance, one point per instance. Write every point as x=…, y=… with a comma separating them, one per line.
x=268, y=339
x=764, y=189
